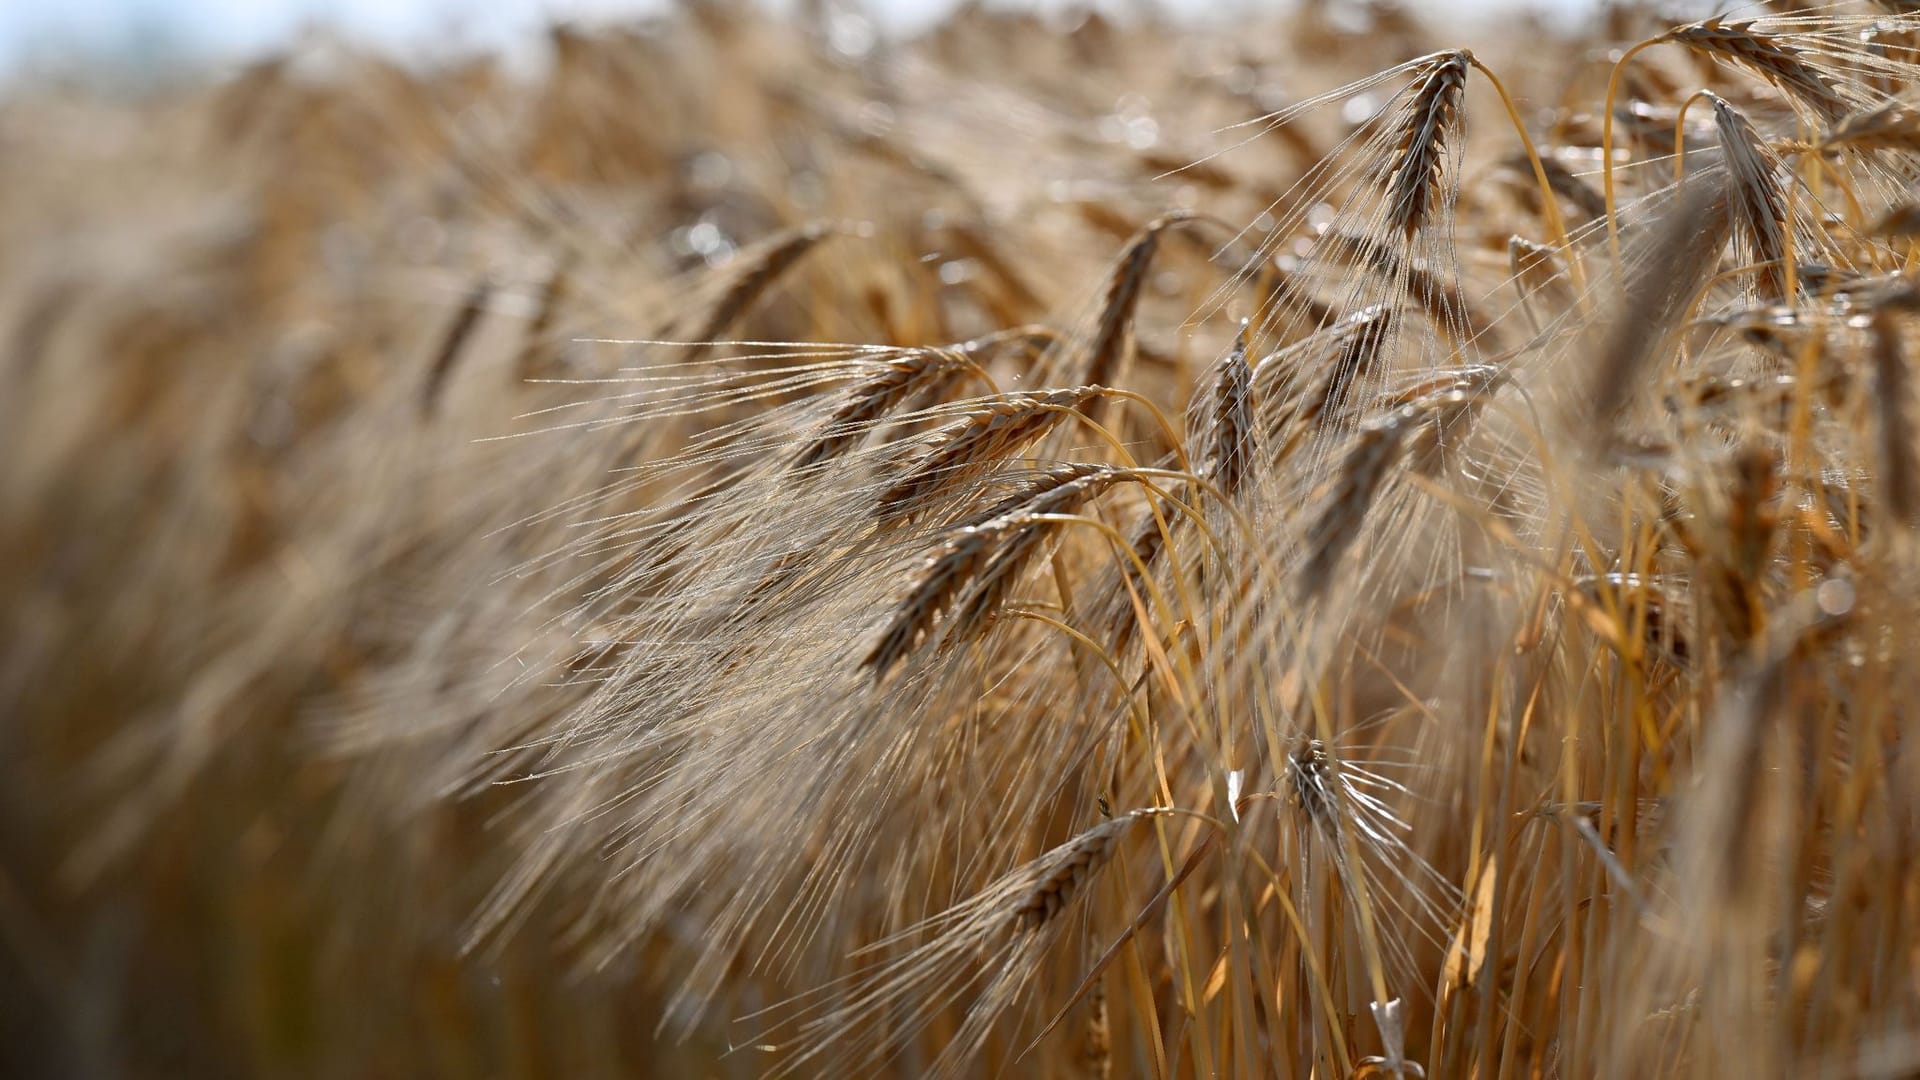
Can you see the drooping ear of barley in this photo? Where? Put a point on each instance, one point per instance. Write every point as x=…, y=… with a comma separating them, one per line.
x=1664, y=285
x=1752, y=48
x=971, y=574
x=1413, y=182
x=1106, y=352
x=984, y=435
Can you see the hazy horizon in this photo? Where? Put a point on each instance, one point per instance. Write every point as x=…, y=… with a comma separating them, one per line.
x=159, y=34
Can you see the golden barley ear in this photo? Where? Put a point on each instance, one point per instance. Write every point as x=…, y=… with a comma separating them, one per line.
x=1221, y=415
x=1413, y=180
x=1756, y=202
x=1106, y=352
x=1746, y=46
x=985, y=434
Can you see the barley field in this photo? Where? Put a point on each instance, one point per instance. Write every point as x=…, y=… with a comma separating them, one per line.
x=1292, y=546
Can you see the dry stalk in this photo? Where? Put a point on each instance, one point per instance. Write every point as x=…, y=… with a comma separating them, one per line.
x=1893, y=393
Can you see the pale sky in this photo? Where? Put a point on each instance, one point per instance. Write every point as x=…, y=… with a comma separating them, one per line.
x=163, y=30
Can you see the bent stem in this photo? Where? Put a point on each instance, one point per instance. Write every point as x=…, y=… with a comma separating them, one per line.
x=1548, y=203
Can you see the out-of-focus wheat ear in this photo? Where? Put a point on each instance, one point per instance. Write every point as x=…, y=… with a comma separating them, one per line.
x=34, y=334
x=1413, y=181
x=1763, y=55
x=536, y=351
x=1286, y=391
x=1538, y=278
x=1758, y=206
x=1659, y=615
x=1562, y=182
x=1663, y=286
x=1344, y=501
x=1730, y=571
x=1894, y=125
x=1357, y=362
x=1064, y=873
x=1107, y=352
x=1097, y=1052
x=988, y=433
x=1448, y=415
x=756, y=273
x=1893, y=388
x=453, y=343
x=1283, y=299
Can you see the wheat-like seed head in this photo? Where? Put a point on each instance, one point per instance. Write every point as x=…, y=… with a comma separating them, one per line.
x=1758, y=207
x=1231, y=437
x=757, y=273
x=971, y=573
x=1760, y=53
x=917, y=372
x=1413, y=180
x=1106, y=352
x=1064, y=872
x=986, y=434
x=1894, y=125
